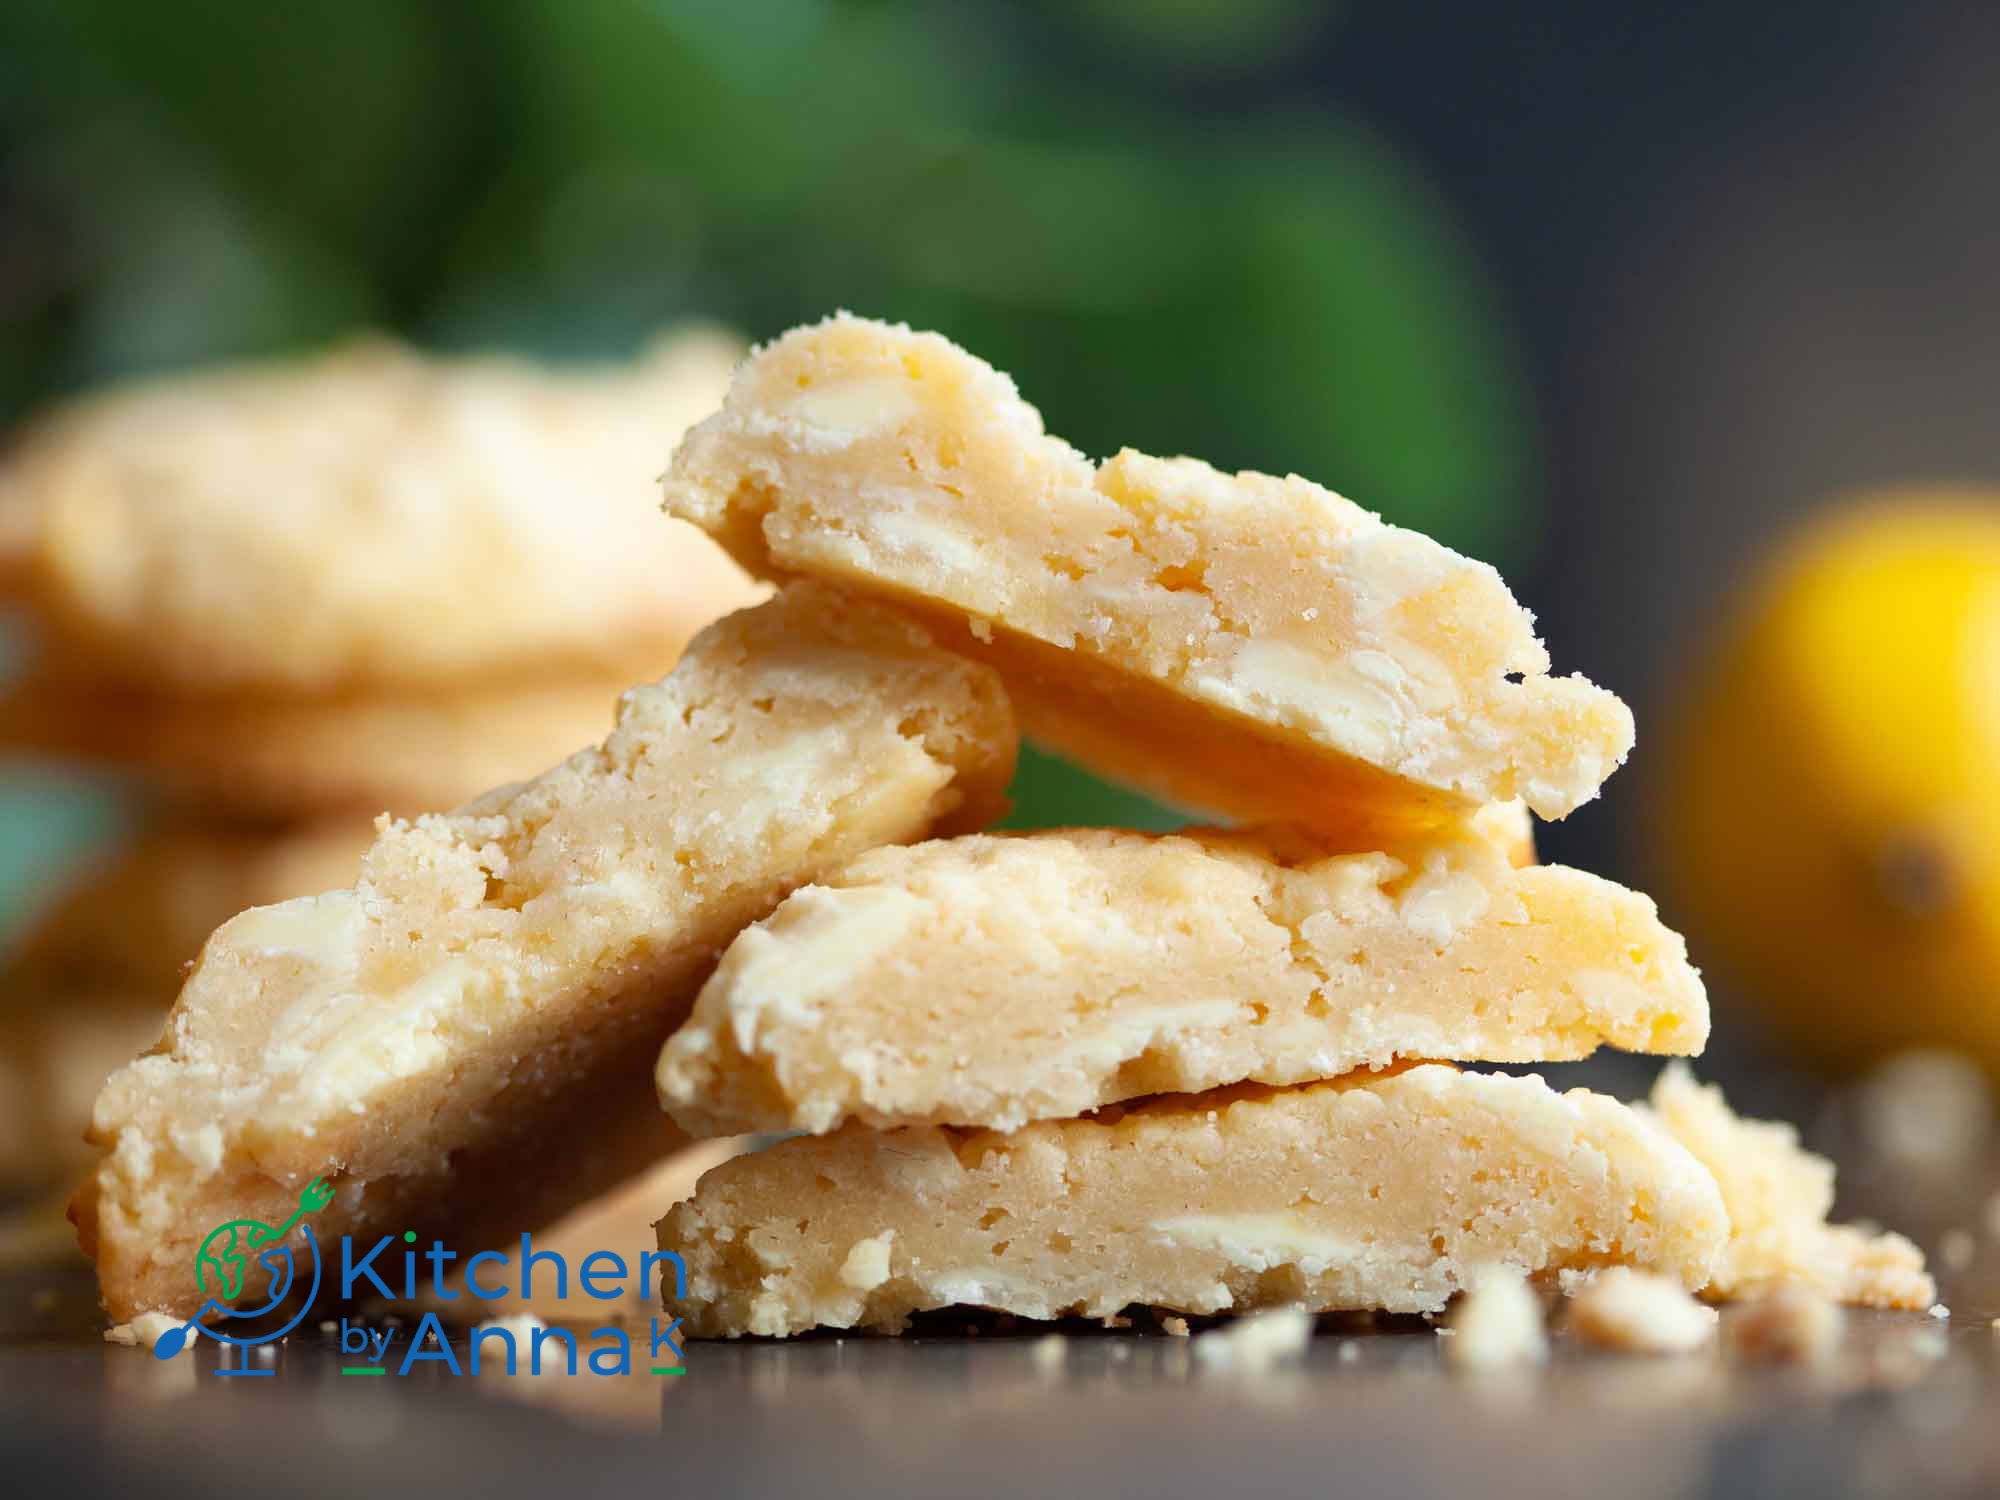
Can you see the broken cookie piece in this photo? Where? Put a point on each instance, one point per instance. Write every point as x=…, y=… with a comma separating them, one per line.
x=994, y=980
x=1779, y=1195
x=1372, y=1191
x=462, y=1041
x=1286, y=652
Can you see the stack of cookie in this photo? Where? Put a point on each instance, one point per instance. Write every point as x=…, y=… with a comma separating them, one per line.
x=1070, y=1072
x=1066, y=1072
x=280, y=600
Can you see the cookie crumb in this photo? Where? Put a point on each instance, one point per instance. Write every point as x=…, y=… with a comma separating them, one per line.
x=1939, y=1311
x=1641, y=1313
x=1497, y=1323
x=148, y=1329
x=1256, y=1343
x=867, y=1263
x=1790, y=1324
x=1175, y=1327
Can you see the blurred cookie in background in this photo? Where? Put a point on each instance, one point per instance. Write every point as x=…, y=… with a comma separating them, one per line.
x=132, y=921
x=366, y=518
x=276, y=759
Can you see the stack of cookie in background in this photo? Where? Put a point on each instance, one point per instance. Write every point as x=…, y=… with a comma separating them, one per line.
x=273, y=602
x=1077, y=1071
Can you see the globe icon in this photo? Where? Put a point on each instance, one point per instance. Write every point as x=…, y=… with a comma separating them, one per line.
x=225, y=1267
x=222, y=1265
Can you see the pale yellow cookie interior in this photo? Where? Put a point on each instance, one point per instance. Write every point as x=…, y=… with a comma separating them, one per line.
x=1385, y=1192
x=1779, y=1195
x=993, y=980
x=1241, y=643
x=464, y=1038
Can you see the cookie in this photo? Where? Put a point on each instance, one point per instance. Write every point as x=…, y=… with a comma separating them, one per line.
x=366, y=518
x=462, y=1042
x=275, y=759
x=132, y=923
x=620, y=1221
x=56, y=1050
x=1365, y=1192
x=1253, y=646
x=994, y=979
x=1778, y=1195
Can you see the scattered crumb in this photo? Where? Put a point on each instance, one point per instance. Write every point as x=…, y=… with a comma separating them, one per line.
x=1641, y=1313
x=1956, y=1248
x=1939, y=1311
x=1116, y=1320
x=1257, y=1342
x=327, y=1325
x=1051, y=1349
x=982, y=629
x=148, y=1329
x=1497, y=1323
x=1789, y=1324
x=1175, y=1327
x=867, y=1263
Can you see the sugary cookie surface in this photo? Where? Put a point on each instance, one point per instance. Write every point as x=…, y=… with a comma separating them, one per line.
x=1384, y=1192
x=1245, y=644
x=368, y=516
x=993, y=980
x=464, y=1038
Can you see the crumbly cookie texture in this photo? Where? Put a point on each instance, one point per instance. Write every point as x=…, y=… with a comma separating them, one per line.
x=134, y=921
x=1779, y=1195
x=1639, y=1312
x=365, y=517
x=276, y=759
x=1286, y=651
x=1366, y=1192
x=463, y=1040
x=994, y=980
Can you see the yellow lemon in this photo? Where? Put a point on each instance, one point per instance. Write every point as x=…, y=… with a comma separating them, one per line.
x=1830, y=815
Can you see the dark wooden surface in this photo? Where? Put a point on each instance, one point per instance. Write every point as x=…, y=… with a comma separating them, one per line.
x=1910, y=1407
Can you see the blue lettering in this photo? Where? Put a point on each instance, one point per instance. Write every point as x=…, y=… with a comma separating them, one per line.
x=654, y=1258
x=480, y=1335
x=535, y=1343
x=418, y=1352
x=586, y=1277
x=472, y=1280
x=529, y=1255
x=437, y=1255
x=621, y=1349
x=349, y=1271
x=666, y=1336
